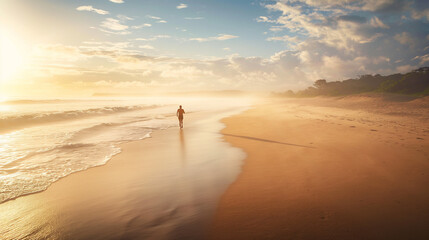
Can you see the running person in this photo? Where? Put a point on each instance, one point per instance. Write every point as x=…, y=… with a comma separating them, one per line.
x=179, y=114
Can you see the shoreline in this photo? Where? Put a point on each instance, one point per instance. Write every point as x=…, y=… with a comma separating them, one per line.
x=161, y=187
x=364, y=178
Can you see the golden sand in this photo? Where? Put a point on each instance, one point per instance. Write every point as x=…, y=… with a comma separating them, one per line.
x=314, y=171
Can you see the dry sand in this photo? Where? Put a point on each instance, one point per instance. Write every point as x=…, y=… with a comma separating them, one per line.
x=315, y=171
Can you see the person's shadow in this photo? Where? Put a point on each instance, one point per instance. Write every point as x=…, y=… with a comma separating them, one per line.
x=266, y=140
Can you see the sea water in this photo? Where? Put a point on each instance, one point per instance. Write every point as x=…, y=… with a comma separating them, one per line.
x=42, y=141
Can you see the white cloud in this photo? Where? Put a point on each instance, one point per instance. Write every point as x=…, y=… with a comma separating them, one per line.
x=290, y=41
x=193, y=18
x=288, y=69
x=153, y=38
x=181, y=6
x=331, y=39
x=150, y=47
x=162, y=36
x=377, y=23
x=404, y=38
x=113, y=24
x=285, y=38
x=265, y=19
x=276, y=28
x=423, y=59
x=220, y=37
x=124, y=18
x=405, y=68
x=92, y=9
x=117, y=1
x=419, y=14
x=153, y=17
x=143, y=39
x=343, y=35
x=160, y=20
x=114, y=32
x=142, y=26
x=225, y=37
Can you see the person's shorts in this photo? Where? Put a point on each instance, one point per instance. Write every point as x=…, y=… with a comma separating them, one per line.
x=180, y=118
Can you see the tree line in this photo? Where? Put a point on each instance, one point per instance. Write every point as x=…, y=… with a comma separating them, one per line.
x=414, y=83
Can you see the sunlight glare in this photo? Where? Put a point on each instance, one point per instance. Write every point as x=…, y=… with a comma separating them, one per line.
x=12, y=57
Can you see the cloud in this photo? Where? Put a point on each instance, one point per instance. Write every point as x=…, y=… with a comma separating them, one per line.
x=405, y=68
x=142, y=26
x=153, y=17
x=423, y=59
x=162, y=36
x=143, y=39
x=225, y=37
x=340, y=39
x=117, y=1
x=156, y=37
x=129, y=68
x=150, y=47
x=125, y=67
x=276, y=28
x=113, y=24
x=181, y=6
x=420, y=14
x=387, y=6
x=327, y=22
x=357, y=5
x=290, y=41
x=124, y=18
x=352, y=18
x=264, y=19
x=377, y=23
x=404, y=38
x=115, y=32
x=160, y=20
x=92, y=9
x=220, y=37
x=193, y=18
x=330, y=39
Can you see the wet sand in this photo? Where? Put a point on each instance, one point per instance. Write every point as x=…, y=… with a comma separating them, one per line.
x=163, y=187
x=318, y=171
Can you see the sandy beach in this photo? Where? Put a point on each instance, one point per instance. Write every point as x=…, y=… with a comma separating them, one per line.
x=163, y=187
x=303, y=120
x=315, y=168
x=343, y=168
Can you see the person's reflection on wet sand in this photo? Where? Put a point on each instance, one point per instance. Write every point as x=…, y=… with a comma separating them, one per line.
x=182, y=147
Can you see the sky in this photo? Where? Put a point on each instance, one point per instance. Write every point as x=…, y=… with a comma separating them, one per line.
x=81, y=47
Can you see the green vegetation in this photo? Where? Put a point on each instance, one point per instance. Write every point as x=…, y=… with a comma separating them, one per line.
x=415, y=83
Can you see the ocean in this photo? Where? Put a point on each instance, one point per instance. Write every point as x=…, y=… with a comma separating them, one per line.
x=42, y=141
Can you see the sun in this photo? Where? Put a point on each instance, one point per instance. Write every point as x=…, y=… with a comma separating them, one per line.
x=12, y=57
